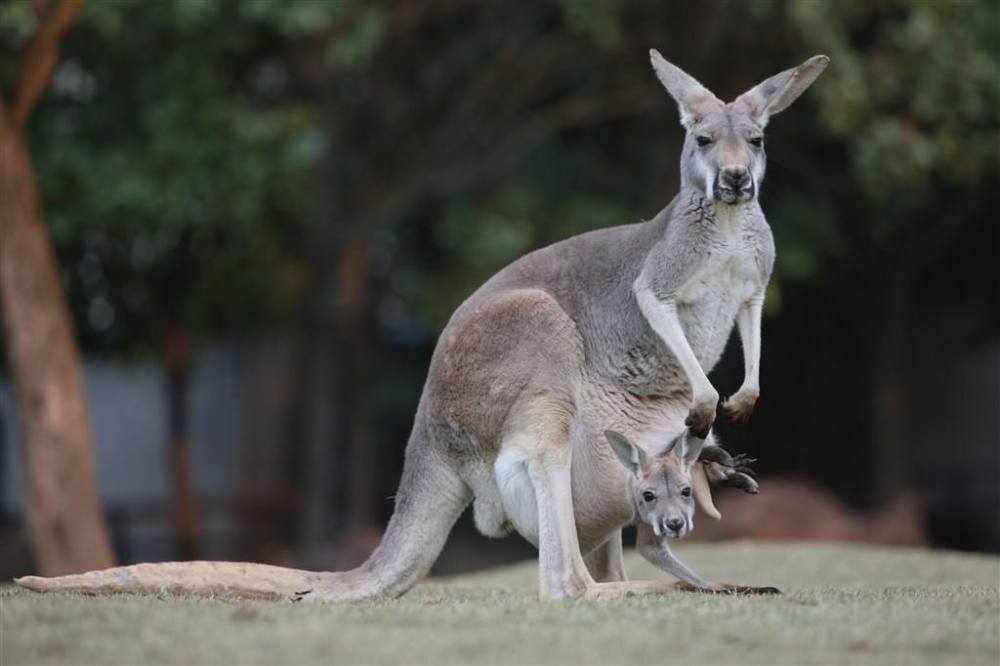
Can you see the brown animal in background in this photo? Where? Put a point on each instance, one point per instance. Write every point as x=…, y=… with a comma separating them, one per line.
x=794, y=509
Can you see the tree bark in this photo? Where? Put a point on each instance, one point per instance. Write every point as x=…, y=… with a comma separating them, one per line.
x=177, y=358
x=65, y=521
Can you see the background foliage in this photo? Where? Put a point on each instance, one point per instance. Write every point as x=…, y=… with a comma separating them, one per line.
x=352, y=170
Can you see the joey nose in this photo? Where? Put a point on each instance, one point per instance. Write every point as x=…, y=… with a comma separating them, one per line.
x=675, y=524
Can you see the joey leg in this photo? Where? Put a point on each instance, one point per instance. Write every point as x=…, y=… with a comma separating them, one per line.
x=657, y=552
x=606, y=562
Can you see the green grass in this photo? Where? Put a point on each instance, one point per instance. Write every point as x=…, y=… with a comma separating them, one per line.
x=842, y=604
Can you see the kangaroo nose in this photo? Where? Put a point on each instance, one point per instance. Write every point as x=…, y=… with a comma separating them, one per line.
x=675, y=524
x=735, y=178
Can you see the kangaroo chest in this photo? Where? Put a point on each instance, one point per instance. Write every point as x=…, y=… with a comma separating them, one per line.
x=710, y=298
x=728, y=274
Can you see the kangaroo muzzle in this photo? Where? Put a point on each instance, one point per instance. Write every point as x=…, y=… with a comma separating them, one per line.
x=733, y=184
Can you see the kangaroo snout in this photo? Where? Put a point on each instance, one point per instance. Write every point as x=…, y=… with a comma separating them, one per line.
x=734, y=184
x=675, y=526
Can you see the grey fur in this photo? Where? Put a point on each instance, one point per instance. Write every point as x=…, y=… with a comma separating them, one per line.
x=583, y=336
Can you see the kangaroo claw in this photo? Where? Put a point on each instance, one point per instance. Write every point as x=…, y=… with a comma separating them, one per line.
x=700, y=420
x=740, y=406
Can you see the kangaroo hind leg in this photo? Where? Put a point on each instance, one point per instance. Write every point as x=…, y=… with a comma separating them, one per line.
x=542, y=442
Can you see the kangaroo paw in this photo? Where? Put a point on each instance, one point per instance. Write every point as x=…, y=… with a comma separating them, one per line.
x=700, y=419
x=740, y=406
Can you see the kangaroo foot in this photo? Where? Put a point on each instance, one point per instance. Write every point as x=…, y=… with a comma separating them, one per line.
x=631, y=588
x=721, y=469
x=728, y=588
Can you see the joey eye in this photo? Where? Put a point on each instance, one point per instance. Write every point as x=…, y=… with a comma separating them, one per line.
x=648, y=496
x=686, y=491
x=703, y=141
x=757, y=141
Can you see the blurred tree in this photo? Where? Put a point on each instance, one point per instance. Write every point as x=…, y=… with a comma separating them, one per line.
x=212, y=167
x=909, y=111
x=406, y=134
x=65, y=522
x=175, y=184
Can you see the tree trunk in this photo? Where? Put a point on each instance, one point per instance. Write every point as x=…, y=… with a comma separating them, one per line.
x=64, y=517
x=177, y=355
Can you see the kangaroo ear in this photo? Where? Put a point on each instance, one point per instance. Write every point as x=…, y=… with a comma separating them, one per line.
x=628, y=453
x=776, y=93
x=686, y=447
x=693, y=99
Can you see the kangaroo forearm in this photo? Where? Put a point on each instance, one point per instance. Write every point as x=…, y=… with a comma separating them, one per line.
x=748, y=321
x=663, y=319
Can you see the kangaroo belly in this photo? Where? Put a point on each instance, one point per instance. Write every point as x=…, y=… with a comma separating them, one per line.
x=707, y=327
x=517, y=495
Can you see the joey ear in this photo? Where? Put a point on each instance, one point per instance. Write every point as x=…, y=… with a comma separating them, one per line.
x=628, y=453
x=778, y=92
x=686, y=447
x=693, y=99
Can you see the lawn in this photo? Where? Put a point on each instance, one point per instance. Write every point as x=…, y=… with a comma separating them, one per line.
x=841, y=604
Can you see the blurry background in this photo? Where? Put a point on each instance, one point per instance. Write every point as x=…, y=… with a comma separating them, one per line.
x=264, y=211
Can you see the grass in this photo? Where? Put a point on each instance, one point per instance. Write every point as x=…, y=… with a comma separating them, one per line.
x=842, y=604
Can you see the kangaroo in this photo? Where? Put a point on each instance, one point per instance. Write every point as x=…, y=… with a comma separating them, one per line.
x=614, y=329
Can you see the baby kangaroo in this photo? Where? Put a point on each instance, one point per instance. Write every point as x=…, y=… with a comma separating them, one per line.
x=662, y=490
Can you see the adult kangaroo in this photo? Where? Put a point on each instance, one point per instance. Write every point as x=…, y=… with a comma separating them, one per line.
x=609, y=330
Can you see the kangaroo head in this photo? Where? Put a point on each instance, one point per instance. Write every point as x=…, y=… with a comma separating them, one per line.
x=723, y=152
x=661, y=488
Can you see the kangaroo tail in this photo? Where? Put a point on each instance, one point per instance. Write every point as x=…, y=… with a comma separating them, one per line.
x=430, y=499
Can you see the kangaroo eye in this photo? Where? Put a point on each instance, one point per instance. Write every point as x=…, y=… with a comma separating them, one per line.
x=648, y=496
x=686, y=492
x=757, y=141
x=703, y=140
